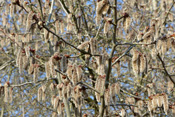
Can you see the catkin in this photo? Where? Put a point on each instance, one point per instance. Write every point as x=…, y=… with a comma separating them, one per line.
x=79, y=73
x=165, y=103
x=11, y=10
x=107, y=97
x=143, y=63
x=126, y=23
x=52, y=87
x=35, y=74
x=62, y=27
x=170, y=86
x=93, y=45
x=69, y=71
x=150, y=105
x=29, y=20
x=107, y=24
x=64, y=62
x=10, y=94
x=43, y=92
x=25, y=62
x=60, y=88
x=74, y=77
x=6, y=96
x=31, y=69
x=20, y=64
x=25, y=5
x=102, y=8
x=39, y=94
x=47, y=69
x=57, y=27
x=123, y=112
x=83, y=45
x=56, y=102
x=69, y=24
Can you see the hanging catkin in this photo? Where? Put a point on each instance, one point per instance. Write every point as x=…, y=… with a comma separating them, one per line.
x=165, y=103
x=39, y=94
x=47, y=69
x=102, y=8
x=6, y=96
x=135, y=63
x=107, y=24
x=36, y=73
x=43, y=92
x=142, y=63
x=83, y=45
x=79, y=72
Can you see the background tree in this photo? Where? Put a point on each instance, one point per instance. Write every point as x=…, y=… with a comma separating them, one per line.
x=87, y=58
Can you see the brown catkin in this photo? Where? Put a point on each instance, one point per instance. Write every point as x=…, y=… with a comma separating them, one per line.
x=10, y=94
x=6, y=92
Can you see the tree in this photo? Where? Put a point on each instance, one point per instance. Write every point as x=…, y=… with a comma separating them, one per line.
x=87, y=58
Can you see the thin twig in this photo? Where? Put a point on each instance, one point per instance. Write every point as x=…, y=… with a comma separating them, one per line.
x=163, y=64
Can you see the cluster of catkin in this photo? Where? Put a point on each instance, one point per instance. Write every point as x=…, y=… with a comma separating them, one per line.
x=158, y=100
x=57, y=104
x=54, y=63
x=77, y=95
x=7, y=91
x=74, y=73
x=139, y=62
x=101, y=9
x=42, y=93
